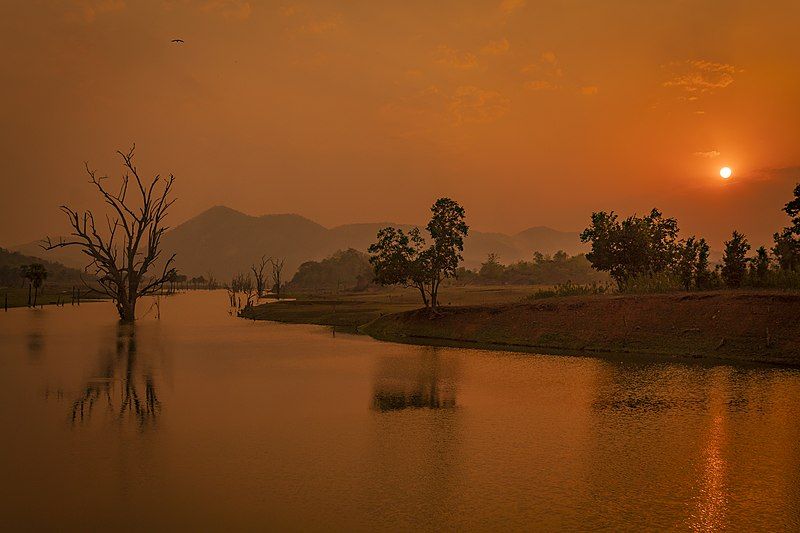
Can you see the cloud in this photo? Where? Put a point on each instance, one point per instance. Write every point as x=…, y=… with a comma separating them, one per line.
x=547, y=65
x=288, y=10
x=541, y=85
x=233, y=9
x=509, y=6
x=711, y=154
x=472, y=104
x=318, y=27
x=438, y=107
x=445, y=55
x=498, y=47
x=549, y=57
x=88, y=10
x=698, y=76
x=546, y=72
x=303, y=21
x=589, y=90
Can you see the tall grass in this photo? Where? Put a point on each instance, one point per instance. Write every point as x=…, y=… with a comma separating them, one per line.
x=572, y=289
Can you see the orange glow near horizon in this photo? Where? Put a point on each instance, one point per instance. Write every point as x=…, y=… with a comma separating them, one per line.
x=367, y=111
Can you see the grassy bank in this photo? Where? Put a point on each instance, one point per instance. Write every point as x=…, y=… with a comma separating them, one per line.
x=747, y=326
x=351, y=310
x=18, y=297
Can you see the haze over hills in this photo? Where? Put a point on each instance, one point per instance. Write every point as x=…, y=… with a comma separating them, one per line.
x=224, y=241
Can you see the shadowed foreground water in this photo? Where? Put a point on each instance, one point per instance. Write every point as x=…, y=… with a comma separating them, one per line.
x=202, y=420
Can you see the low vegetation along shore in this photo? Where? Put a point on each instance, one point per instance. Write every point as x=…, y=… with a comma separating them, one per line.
x=732, y=325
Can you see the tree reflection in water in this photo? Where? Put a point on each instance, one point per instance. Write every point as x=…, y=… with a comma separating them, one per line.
x=119, y=385
x=423, y=381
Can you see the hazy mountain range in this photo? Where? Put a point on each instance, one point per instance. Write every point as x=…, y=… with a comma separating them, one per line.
x=224, y=241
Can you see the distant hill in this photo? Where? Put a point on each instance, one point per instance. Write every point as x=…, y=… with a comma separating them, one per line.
x=71, y=257
x=10, y=262
x=224, y=241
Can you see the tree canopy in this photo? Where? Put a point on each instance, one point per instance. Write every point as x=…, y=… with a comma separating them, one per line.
x=401, y=258
x=635, y=246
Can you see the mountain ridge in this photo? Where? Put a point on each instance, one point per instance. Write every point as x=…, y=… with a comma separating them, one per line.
x=224, y=241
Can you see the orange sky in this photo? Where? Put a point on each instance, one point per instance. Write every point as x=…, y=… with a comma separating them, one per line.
x=528, y=112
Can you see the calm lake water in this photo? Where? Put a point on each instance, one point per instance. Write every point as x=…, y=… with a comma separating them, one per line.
x=205, y=421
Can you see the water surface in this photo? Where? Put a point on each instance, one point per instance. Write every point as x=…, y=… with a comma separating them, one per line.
x=203, y=420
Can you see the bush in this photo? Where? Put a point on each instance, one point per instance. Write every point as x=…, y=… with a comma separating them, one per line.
x=774, y=279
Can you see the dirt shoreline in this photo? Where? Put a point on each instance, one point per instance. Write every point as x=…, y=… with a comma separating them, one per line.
x=746, y=326
x=758, y=327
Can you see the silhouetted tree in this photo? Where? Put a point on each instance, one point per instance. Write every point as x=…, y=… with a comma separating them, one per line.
x=260, y=275
x=636, y=246
x=400, y=259
x=759, y=267
x=491, y=269
x=787, y=241
x=345, y=269
x=734, y=260
x=786, y=250
x=23, y=273
x=240, y=283
x=181, y=279
x=122, y=258
x=702, y=272
x=34, y=274
x=686, y=264
x=249, y=291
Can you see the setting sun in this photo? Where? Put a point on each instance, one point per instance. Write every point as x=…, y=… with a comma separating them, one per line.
x=725, y=172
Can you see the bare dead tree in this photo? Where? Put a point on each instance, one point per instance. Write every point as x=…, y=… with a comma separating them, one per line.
x=260, y=276
x=249, y=292
x=277, y=267
x=123, y=254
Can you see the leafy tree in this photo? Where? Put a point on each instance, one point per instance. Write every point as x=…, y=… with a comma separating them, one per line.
x=686, y=264
x=406, y=259
x=759, y=267
x=345, y=269
x=702, y=272
x=492, y=269
x=633, y=247
x=35, y=274
x=787, y=241
x=792, y=208
x=734, y=260
x=23, y=273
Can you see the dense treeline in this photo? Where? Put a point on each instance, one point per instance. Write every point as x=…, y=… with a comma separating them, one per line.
x=645, y=254
x=344, y=270
x=541, y=270
x=12, y=271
